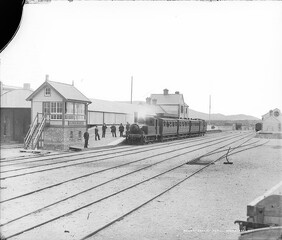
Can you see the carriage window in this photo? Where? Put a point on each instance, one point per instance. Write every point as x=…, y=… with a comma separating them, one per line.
x=167, y=124
x=79, y=135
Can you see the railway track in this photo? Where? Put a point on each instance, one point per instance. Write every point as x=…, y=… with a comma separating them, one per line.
x=24, y=221
x=38, y=159
x=126, y=162
x=76, y=156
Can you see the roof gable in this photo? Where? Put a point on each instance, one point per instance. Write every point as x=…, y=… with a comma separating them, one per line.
x=66, y=91
x=275, y=112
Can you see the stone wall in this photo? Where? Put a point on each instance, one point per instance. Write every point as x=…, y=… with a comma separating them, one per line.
x=59, y=138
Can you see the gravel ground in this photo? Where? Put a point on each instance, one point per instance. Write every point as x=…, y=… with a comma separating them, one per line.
x=203, y=207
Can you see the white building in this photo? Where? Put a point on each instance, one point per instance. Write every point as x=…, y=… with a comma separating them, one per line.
x=271, y=121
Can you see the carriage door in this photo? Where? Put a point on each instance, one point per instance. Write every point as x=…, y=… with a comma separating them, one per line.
x=156, y=126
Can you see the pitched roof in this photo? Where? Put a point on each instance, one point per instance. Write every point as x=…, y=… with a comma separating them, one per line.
x=121, y=107
x=16, y=99
x=168, y=98
x=67, y=91
x=272, y=112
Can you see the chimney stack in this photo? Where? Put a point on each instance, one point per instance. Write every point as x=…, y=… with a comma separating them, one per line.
x=166, y=91
x=47, y=78
x=177, y=92
x=148, y=100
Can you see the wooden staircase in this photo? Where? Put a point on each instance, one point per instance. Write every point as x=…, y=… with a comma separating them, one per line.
x=34, y=132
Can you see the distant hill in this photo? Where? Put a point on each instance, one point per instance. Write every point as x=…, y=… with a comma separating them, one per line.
x=218, y=116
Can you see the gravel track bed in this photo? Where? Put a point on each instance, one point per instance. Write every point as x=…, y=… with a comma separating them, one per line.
x=203, y=207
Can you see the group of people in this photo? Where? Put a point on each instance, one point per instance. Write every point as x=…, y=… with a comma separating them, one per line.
x=104, y=127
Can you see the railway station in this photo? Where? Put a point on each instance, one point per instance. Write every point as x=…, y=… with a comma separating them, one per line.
x=55, y=115
x=120, y=191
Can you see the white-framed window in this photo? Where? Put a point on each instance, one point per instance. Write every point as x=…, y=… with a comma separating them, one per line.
x=55, y=109
x=75, y=111
x=47, y=92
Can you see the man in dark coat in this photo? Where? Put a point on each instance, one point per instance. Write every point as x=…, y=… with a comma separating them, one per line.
x=86, y=138
x=121, y=129
x=127, y=127
x=104, y=127
x=113, y=130
x=97, y=133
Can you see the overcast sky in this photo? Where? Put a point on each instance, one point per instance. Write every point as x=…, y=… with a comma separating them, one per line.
x=229, y=50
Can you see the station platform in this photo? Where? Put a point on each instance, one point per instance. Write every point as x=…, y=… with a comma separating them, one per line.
x=15, y=150
x=107, y=141
x=269, y=135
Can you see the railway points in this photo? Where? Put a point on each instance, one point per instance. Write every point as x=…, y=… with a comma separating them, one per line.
x=105, y=197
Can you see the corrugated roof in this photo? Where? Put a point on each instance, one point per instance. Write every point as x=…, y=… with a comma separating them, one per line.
x=16, y=99
x=119, y=107
x=168, y=99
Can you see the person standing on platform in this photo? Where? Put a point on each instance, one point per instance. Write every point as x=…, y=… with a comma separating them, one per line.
x=86, y=138
x=113, y=130
x=104, y=127
x=121, y=129
x=127, y=128
x=97, y=133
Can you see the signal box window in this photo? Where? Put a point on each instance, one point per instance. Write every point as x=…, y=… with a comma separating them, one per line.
x=47, y=92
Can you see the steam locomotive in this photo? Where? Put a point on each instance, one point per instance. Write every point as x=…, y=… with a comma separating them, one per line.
x=158, y=129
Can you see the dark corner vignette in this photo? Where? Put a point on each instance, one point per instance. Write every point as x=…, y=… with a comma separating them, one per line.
x=10, y=18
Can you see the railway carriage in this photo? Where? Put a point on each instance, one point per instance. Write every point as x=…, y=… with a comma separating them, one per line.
x=152, y=129
x=168, y=128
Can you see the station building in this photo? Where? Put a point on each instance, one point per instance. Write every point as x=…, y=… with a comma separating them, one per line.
x=59, y=116
x=173, y=104
x=56, y=115
x=271, y=121
x=15, y=113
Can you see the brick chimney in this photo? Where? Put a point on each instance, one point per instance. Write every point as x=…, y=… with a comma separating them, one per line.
x=148, y=100
x=47, y=78
x=177, y=92
x=166, y=91
x=154, y=101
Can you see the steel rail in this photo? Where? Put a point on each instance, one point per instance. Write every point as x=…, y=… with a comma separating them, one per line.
x=91, y=188
x=99, y=185
x=89, y=174
x=106, y=197
x=155, y=197
x=77, y=154
x=70, y=165
x=50, y=157
x=105, y=148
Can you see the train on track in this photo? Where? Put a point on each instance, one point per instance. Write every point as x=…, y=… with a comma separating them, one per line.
x=160, y=128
